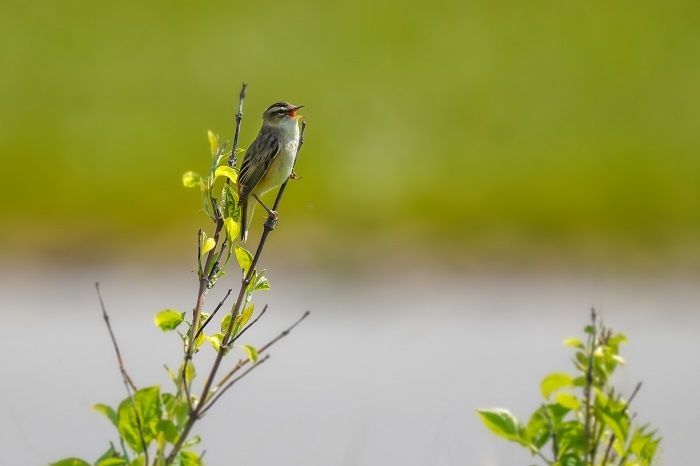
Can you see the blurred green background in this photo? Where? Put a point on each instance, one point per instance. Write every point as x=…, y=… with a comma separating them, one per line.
x=459, y=131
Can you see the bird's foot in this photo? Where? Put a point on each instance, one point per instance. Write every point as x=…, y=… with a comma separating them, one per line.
x=272, y=220
x=294, y=176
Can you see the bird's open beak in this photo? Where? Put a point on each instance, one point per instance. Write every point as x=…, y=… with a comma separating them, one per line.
x=293, y=112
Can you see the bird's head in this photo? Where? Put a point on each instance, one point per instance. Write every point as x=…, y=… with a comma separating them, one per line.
x=280, y=113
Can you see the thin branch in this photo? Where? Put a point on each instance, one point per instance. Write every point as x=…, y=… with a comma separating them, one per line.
x=264, y=310
x=127, y=380
x=128, y=383
x=230, y=384
x=211, y=316
x=239, y=118
x=284, y=332
x=265, y=347
x=587, y=391
x=199, y=254
x=608, y=450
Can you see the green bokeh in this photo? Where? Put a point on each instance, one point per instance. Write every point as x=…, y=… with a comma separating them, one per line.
x=511, y=128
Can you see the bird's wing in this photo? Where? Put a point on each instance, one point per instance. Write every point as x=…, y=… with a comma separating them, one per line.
x=256, y=162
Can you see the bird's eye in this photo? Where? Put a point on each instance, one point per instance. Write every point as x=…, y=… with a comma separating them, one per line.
x=280, y=112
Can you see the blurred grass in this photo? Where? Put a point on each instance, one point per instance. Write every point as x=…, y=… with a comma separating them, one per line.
x=521, y=129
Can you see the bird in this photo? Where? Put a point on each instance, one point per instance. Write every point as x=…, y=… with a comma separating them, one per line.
x=269, y=160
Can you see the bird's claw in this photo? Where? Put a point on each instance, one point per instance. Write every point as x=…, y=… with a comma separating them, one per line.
x=272, y=220
x=294, y=176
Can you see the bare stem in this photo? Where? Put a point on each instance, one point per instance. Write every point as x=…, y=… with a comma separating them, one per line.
x=587, y=391
x=608, y=450
x=239, y=118
x=128, y=383
x=230, y=384
x=211, y=316
x=264, y=310
x=265, y=347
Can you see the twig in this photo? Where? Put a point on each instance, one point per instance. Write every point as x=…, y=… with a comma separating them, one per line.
x=230, y=384
x=589, y=383
x=262, y=349
x=264, y=310
x=284, y=332
x=128, y=383
x=199, y=254
x=211, y=316
x=612, y=437
x=243, y=362
x=239, y=117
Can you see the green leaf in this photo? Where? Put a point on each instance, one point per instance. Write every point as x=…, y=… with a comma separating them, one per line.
x=538, y=428
x=111, y=458
x=232, y=229
x=168, y=430
x=571, y=437
x=245, y=316
x=148, y=406
x=191, y=179
x=216, y=340
x=251, y=351
x=70, y=462
x=574, y=342
x=243, y=257
x=225, y=322
x=644, y=444
x=226, y=171
x=194, y=440
x=176, y=408
x=213, y=143
x=230, y=203
x=261, y=282
x=617, y=422
x=502, y=423
x=570, y=460
x=169, y=319
x=542, y=423
x=199, y=341
x=189, y=458
x=208, y=245
x=190, y=372
x=114, y=461
x=107, y=411
x=568, y=401
x=554, y=382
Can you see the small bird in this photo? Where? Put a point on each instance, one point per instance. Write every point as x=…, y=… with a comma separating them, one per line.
x=269, y=160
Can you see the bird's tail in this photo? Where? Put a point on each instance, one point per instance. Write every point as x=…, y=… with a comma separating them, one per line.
x=247, y=208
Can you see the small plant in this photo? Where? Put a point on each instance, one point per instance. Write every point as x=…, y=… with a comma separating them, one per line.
x=154, y=426
x=583, y=419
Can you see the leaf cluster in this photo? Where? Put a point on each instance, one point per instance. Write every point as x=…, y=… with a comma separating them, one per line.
x=148, y=417
x=582, y=420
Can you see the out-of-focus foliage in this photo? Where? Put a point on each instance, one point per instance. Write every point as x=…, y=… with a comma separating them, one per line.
x=587, y=422
x=493, y=126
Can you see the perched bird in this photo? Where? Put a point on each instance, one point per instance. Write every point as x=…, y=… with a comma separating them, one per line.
x=269, y=159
